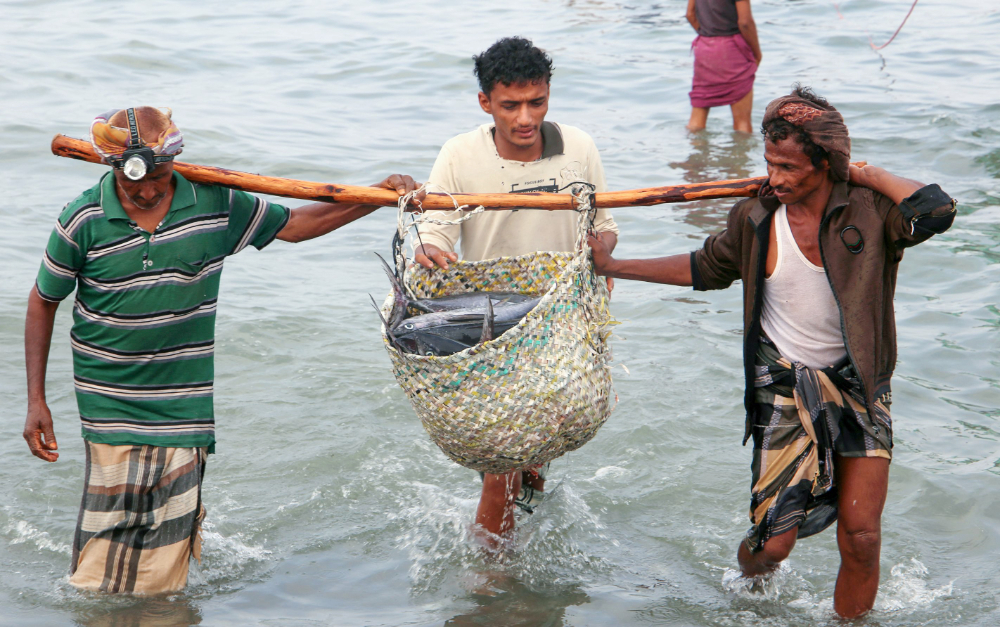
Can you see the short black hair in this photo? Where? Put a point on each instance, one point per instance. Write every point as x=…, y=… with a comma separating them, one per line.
x=779, y=128
x=512, y=60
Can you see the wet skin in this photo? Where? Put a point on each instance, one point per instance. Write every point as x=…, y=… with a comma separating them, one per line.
x=147, y=201
x=805, y=190
x=518, y=111
x=862, y=482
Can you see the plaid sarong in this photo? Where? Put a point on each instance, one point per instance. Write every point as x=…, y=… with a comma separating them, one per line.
x=803, y=418
x=139, y=520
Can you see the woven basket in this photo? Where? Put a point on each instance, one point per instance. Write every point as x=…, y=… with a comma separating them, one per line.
x=541, y=389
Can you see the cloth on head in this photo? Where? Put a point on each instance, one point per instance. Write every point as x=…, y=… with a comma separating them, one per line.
x=724, y=70
x=112, y=141
x=140, y=518
x=804, y=417
x=823, y=124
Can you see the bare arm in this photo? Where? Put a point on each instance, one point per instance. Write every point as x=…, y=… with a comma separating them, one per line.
x=692, y=16
x=609, y=239
x=913, y=212
x=38, y=429
x=748, y=28
x=893, y=187
x=672, y=270
x=311, y=221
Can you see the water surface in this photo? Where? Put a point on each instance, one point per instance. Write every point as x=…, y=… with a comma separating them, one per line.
x=327, y=503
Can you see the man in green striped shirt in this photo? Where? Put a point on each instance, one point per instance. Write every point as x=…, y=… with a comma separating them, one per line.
x=144, y=250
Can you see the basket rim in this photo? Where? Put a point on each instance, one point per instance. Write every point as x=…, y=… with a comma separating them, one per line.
x=573, y=266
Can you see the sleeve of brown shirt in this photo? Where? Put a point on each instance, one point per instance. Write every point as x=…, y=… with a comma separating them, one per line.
x=717, y=264
x=925, y=213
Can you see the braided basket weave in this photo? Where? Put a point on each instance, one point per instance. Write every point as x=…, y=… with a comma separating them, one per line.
x=541, y=389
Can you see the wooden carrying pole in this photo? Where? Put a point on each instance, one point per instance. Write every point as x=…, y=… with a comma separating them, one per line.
x=64, y=146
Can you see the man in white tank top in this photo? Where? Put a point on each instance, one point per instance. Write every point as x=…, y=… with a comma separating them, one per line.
x=817, y=252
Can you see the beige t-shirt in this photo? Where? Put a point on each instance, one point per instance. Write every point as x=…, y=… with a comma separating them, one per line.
x=469, y=163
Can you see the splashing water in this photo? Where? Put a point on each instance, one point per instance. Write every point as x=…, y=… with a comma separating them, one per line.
x=25, y=532
x=225, y=558
x=652, y=508
x=764, y=587
x=439, y=539
x=908, y=588
x=906, y=591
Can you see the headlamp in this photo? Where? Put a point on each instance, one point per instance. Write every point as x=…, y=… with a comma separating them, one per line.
x=138, y=159
x=136, y=166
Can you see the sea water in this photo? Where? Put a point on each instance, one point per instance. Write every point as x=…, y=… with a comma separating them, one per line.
x=327, y=503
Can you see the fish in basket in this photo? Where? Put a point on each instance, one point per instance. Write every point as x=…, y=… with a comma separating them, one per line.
x=527, y=395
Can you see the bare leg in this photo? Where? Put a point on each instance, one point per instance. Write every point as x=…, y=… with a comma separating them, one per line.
x=742, y=109
x=496, y=504
x=775, y=550
x=699, y=117
x=862, y=483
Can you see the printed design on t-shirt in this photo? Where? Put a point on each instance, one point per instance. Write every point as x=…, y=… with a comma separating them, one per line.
x=540, y=185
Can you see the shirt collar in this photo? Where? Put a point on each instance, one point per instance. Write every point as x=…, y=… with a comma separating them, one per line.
x=552, y=139
x=839, y=197
x=184, y=196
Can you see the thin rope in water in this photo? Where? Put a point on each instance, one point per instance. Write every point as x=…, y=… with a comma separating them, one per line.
x=872, y=42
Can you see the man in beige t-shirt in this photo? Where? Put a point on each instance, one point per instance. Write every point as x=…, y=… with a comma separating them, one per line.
x=518, y=152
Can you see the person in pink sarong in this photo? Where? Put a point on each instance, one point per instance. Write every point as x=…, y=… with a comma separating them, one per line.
x=726, y=56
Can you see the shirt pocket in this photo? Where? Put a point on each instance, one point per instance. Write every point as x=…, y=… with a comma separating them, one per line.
x=191, y=263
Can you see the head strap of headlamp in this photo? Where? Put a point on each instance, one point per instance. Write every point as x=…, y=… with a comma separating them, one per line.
x=136, y=148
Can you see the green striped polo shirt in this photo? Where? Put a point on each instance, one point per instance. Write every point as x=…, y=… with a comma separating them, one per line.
x=143, y=331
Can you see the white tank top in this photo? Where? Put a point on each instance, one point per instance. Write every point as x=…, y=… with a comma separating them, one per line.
x=800, y=312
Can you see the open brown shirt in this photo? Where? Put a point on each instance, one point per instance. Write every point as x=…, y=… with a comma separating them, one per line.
x=862, y=238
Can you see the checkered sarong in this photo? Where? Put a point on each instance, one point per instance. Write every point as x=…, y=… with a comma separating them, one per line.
x=140, y=518
x=803, y=418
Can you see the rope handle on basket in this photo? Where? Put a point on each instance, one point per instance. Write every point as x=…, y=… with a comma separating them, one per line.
x=582, y=192
x=419, y=217
x=584, y=196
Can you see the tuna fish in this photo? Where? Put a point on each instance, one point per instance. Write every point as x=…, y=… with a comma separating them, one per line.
x=447, y=325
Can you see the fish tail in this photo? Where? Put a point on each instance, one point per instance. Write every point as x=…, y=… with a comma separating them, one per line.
x=402, y=303
x=488, y=329
x=388, y=329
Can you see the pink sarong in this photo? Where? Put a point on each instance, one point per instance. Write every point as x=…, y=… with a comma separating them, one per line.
x=724, y=69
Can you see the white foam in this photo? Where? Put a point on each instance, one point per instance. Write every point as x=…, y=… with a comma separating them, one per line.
x=437, y=533
x=25, y=532
x=612, y=471
x=905, y=590
x=765, y=587
x=224, y=556
x=908, y=588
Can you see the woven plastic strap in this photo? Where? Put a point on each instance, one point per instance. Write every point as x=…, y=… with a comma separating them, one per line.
x=541, y=389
